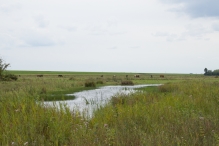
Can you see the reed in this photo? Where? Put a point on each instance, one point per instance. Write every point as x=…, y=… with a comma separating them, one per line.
x=182, y=114
x=177, y=113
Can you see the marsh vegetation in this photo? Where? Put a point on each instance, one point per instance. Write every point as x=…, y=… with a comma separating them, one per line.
x=183, y=111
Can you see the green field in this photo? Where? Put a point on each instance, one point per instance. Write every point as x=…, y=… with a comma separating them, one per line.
x=183, y=111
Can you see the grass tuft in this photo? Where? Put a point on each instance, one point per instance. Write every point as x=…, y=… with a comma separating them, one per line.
x=128, y=82
x=89, y=84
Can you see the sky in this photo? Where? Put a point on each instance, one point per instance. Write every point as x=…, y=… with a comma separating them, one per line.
x=157, y=36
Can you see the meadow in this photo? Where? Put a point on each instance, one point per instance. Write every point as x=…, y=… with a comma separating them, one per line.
x=183, y=111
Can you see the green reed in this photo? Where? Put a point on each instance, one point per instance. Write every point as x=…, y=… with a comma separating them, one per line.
x=181, y=113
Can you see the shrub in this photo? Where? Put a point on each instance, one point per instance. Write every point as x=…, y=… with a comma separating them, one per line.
x=127, y=83
x=89, y=84
x=8, y=77
x=99, y=82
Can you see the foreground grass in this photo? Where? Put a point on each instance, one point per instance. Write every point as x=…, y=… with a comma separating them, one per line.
x=177, y=113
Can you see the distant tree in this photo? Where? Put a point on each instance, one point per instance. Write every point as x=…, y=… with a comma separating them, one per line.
x=5, y=76
x=3, y=67
x=205, y=70
x=216, y=71
x=211, y=73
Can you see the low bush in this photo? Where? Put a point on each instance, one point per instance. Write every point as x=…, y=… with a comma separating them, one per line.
x=127, y=83
x=8, y=77
x=90, y=84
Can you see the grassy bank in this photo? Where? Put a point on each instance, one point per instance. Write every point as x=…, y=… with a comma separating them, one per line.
x=176, y=114
x=52, y=87
x=184, y=111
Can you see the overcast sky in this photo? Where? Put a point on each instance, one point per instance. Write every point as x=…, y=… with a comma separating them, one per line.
x=156, y=36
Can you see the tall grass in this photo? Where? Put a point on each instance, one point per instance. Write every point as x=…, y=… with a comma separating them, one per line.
x=183, y=113
x=25, y=120
x=179, y=114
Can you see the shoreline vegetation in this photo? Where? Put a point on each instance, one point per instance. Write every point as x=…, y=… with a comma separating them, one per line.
x=182, y=111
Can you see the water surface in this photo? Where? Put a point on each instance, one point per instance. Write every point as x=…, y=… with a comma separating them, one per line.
x=87, y=101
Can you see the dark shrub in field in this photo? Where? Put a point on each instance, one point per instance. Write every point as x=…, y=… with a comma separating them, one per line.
x=8, y=77
x=99, y=82
x=127, y=83
x=89, y=84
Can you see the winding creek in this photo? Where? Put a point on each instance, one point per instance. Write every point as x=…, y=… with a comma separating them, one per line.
x=89, y=100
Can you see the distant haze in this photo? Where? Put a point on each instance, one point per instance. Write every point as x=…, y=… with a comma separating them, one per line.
x=159, y=36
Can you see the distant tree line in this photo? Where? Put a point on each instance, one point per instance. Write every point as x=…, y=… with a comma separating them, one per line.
x=211, y=73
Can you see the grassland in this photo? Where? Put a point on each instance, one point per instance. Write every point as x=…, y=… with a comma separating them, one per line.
x=183, y=111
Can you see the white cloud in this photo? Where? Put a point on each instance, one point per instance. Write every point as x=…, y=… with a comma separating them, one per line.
x=215, y=26
x=115, y=47
x=40, y=20
x=196, y=31
x=99, y=35
x=36, y=40
x=69, y=28
x=195, y=8
x=7, y=8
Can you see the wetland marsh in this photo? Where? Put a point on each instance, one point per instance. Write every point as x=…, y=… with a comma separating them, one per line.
x=89, y=100
x=182, y=111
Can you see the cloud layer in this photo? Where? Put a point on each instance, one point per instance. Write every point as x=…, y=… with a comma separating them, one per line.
x=100, y=35
x=195, y=8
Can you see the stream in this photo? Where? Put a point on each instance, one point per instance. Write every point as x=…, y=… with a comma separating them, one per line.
x=89, y=100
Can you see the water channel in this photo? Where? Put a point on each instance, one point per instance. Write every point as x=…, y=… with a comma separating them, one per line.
x=89, y=100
